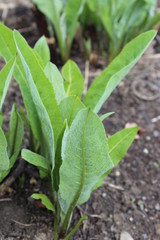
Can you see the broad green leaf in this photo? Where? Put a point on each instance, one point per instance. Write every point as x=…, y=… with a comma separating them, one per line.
x=56, y=79
x=15, y=134
x=4, y=159
x=106, y=82
x=49, y=9
x=42, y=49
x=36, y=160
x=118, y=146
x=74, y=81
x=43, y=95
x=120, y=142
x=3, y=174
x=8, y=51
x=85, y=159
x=52, y=11
x=45, y=201
x=106, y=115
x=39, y=59
x=5, y=79
x=69, y=107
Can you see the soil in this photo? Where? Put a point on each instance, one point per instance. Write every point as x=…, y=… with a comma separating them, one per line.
x=129, y=199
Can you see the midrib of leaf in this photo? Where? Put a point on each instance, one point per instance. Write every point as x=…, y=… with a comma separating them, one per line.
x=126, y=136
x=72, y=111
x=70, y=82
x=79, y=191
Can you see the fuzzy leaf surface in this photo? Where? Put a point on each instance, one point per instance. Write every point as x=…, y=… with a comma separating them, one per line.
x=35, y=159
x=4, y=159
x=8, y=51
x=43, y=95
x=69, y=107
x=15, y=135
x=74, y=81
x=85, y=159
x=120, y=142
x=106, y=82
x=42, y=49
x=56, y=79
x=5, y=79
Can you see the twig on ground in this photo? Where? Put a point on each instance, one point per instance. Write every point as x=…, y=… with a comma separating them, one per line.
x=156, y=119
x=5, y=200
x=22, y=224
x=115, y=186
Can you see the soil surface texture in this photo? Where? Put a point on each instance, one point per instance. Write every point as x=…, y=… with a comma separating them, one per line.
x=129, y=200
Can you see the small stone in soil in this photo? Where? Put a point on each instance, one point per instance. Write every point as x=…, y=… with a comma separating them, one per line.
x=148, y=138
x=157, y=207
x=144, y=198
x=117, y=173
x=131, y=219
x=104, y=195
x=155, y=133
x=145, y=150
x=125, y=236
x=144, y=236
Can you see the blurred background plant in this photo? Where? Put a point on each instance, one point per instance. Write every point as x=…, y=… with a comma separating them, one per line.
x=118, y=21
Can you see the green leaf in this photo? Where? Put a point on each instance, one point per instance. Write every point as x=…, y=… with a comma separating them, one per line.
x=74, y=81
x=42, y=49
x=36, y=160
x=43, y=95
x=72, y=12
x=106, y=115
x=52, y=10
x=15, y=135
x=120, y=142
x=1, y=119
x=49, y=9
x=56, y=79
x=4, y=159
x=69, y=235
x=5, y=79
x=45, y=201
x=153, y=21
x=69, y=107
x=85, y=159
x=118, y=146
x=8, y=51
x=106, y=82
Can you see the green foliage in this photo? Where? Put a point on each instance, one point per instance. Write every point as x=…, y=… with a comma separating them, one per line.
x=42, y=49
x=45, y=200
x=122, y=20
x=74, y=152
x=10, y=146
x=64, y=20
x=105, y=83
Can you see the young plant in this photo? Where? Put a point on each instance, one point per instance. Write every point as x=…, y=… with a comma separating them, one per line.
x=62, y=16
x=74, y=152
x=122, y=20
x=11, y=142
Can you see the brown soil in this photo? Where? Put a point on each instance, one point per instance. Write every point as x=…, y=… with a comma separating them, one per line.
x=130, y=196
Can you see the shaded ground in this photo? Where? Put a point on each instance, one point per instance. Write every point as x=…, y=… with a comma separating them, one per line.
x=130, y=197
